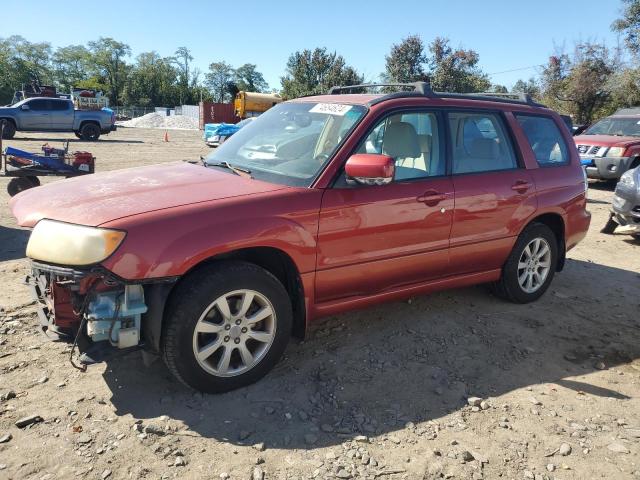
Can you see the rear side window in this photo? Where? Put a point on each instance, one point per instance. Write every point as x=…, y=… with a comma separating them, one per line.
x=479, y=143
x=59, y=105
x=545, y=139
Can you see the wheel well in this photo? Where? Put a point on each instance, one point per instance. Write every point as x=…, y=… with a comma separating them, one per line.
x=280, y=265
x=9, y=120
x=556, y=224
x=635, y=163
x=84, y=122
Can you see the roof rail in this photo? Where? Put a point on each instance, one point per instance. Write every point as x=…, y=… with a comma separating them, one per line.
x=424, y=89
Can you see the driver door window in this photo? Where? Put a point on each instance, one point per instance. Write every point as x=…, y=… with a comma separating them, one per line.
x=413, y=140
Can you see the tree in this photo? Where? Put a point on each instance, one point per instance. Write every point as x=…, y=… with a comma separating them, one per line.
x=71, y=65
x=108, y=56
x=312, y=72
x=249, y=79
x=579, y=84
x=405, y=62
x=218, y=78
x=455, y=70
x=629, y=25
x=152, y=81
x=530, y=87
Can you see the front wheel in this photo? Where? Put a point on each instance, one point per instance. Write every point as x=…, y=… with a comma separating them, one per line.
x=530, y=267
x=20, y=184
x=227, y=326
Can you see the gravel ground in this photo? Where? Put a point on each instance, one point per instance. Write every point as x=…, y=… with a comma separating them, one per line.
x=452, y=385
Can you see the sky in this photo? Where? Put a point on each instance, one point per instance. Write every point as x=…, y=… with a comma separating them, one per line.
x=509, y=36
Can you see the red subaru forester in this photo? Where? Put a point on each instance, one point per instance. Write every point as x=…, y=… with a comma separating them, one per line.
x=321, y=205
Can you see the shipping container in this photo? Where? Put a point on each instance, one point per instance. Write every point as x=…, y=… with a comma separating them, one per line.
x=216, y=113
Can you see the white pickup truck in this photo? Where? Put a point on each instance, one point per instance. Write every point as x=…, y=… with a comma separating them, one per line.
x=46, y=114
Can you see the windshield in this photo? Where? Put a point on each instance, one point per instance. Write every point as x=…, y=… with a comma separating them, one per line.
x=290, y=143
x=627, y=127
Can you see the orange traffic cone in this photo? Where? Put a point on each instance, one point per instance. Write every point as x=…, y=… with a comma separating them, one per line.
x=166, y=136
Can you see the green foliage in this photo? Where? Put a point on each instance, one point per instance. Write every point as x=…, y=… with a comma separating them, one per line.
x=152, y=81
x=109, y=59
x=250, y=80
x=313, y=72
x=71, y=65
x=579, y=84
x=219, y=77
x=530, y=86
x=455, y=70
x=629, y=25
x=405, y=63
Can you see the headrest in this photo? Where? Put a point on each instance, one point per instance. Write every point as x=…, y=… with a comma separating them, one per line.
x=401, y=141
x=483, y=148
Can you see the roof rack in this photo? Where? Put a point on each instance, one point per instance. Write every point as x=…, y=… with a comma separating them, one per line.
x=424, y=89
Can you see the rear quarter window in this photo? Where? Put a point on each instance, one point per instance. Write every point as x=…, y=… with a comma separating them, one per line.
x=545, y=139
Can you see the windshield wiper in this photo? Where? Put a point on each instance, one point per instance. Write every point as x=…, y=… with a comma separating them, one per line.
x=243, y=172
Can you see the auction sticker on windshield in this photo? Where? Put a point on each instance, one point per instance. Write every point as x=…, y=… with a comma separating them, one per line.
x=331, y=108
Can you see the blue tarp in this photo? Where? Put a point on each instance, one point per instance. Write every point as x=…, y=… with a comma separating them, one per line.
x=42, y=160
x=226, y=129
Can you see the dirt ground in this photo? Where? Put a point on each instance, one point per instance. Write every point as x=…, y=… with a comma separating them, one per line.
x=382, y=393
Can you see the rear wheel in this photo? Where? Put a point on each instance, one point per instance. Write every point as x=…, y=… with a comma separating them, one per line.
x=90, y=132
x=227, y=326
x=530, y=267
x=8, y=129
x=19, y=184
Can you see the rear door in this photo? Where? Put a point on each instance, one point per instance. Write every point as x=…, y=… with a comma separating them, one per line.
x=37, y=117
x=494, y=192
x=61, y=114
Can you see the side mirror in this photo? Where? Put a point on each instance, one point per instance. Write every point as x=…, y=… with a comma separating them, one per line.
x=369, y=169
x=24, y=107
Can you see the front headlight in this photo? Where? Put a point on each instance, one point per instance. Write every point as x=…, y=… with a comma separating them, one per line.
x=69, y=244
x=616, y=152
x=626, y=178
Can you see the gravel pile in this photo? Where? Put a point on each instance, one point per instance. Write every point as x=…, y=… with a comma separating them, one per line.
x=156, y=120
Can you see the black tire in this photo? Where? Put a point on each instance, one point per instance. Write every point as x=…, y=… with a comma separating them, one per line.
x=610, y=226
x=19, y=184
x=193, y=296
x=90, y=132
x=9, y=129
x=508, y=287
x=34, y=180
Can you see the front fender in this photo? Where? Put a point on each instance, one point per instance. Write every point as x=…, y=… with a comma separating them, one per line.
x=158, y=245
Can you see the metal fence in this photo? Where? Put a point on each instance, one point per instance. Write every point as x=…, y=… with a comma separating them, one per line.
x=131, y=112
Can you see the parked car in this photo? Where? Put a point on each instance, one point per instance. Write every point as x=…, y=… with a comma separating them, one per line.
x=625, y=208
x=611, y=146
x=43, y=114
x=217, y=133
x=325, y=204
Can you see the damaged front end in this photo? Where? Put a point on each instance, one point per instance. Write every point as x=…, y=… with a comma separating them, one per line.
x=625, y=208
x=80, y=301
x=92, y=308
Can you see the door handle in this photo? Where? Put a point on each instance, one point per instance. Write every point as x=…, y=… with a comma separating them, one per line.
x=521, y=186
x=432, y=198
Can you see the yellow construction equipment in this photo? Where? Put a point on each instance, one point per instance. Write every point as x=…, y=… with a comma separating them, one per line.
x=251, y=104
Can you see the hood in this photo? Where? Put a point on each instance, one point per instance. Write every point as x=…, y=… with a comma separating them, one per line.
x=606, y=140
x=102, y=197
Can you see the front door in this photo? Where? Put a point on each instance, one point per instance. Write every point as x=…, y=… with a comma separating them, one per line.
x=375, y=238
x=37, y=116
